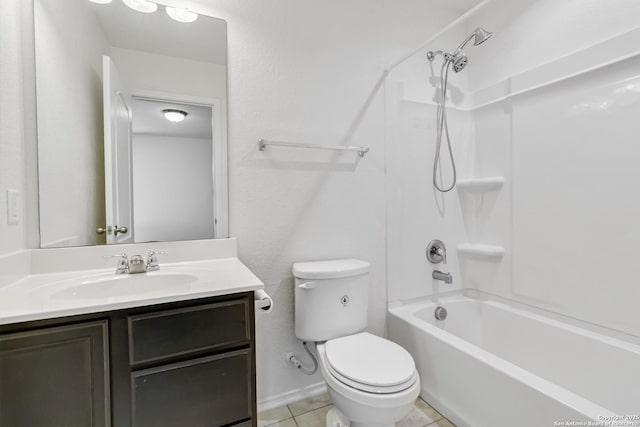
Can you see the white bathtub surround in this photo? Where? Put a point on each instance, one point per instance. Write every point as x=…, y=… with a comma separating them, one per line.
x=550, y=106
x=65, y=282
x=538, y=368
x=531, y=118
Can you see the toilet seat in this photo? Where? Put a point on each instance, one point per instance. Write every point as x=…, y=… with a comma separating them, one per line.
x=369, y=363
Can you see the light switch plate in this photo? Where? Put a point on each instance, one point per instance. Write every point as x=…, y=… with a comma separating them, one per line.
x=13, y=207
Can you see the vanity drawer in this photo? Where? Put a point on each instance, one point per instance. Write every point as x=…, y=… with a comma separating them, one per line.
x=165, y=334
x=212, y=391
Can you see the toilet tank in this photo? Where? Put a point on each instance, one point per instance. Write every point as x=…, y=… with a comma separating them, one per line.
x=331, y=298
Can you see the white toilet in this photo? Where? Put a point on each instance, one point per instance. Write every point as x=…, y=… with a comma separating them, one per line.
x=372, y=381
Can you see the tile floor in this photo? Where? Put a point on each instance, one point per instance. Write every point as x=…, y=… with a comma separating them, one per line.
x=312, y=412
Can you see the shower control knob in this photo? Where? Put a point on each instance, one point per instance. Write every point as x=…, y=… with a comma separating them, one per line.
x=437, y=252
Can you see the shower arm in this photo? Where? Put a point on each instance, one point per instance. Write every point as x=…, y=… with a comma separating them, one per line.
x=463, y=44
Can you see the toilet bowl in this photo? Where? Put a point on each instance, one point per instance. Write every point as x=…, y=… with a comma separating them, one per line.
x=372, y=381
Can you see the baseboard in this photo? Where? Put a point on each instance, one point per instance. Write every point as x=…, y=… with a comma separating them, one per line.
x=291, y=396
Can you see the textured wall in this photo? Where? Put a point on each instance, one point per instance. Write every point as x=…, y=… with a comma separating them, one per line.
x=12, y=152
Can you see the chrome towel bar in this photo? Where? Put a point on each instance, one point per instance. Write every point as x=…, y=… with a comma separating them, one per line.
x=262, y=145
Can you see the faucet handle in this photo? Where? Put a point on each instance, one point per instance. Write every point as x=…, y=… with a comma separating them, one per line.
x=437, y=252
x=121, y=256
x=443, y=253
x=152, y=260
x=123, y=262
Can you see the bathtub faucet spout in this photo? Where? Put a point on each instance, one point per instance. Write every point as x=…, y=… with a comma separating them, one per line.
x=444, y=277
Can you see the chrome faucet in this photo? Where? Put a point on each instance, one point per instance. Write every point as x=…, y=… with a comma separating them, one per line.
x=136, y=264
x=152, y=260
x=123, y=263
x=444, y=277
x=437, y=253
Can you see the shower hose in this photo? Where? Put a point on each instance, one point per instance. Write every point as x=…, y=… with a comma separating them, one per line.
x=443, y=129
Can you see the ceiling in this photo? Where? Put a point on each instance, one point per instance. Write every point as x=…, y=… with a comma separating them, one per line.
x=203, y=40
x=148, y=119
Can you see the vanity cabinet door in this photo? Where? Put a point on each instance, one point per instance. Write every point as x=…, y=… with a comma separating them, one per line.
x=210, y=391
x=55, y=376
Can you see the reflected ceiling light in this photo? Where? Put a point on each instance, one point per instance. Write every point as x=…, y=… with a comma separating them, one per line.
x=100, y=1
x=174, y=116
x=181, y=15
x=141, y=5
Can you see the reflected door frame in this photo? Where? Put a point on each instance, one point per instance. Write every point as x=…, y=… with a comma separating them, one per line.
x=117, y=146
x=219, y=141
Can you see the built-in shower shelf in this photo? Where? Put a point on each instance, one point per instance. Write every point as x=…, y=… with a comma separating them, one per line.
x=481, y=184
x=481, y=251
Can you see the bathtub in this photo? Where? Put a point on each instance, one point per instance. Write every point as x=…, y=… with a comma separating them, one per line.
x=495, y=364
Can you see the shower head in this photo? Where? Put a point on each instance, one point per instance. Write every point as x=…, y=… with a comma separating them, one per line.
x=479, y=36
x=457, y=58
x=459, y=62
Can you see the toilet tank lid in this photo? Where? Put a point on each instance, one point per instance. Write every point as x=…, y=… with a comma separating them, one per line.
x=332, y=269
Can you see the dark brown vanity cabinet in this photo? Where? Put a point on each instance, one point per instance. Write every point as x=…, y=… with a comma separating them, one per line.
x=177, y=365
x=55, y=376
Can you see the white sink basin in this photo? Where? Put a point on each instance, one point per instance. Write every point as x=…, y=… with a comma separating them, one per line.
x=110, y=286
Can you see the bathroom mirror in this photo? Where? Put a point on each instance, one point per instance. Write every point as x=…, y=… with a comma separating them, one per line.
x=131, y=105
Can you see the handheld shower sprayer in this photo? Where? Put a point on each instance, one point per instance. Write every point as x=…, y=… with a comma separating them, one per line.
x=459, y=61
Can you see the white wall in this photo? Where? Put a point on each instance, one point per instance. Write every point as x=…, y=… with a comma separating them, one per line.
x=70, y=122
x=12, y=150
x=152, y=72
x=172, y=188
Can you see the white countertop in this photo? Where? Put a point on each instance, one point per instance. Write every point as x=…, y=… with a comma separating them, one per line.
x=59, y=294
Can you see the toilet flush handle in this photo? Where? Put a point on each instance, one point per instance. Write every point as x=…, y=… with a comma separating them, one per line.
x=307, y=285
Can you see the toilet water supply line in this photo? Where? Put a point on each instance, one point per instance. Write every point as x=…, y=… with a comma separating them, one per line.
x=293, y=359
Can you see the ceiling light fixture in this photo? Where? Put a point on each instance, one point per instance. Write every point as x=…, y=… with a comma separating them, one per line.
x=181, y=15
x=100, y=1
x=174, y=116
x=143, y=6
